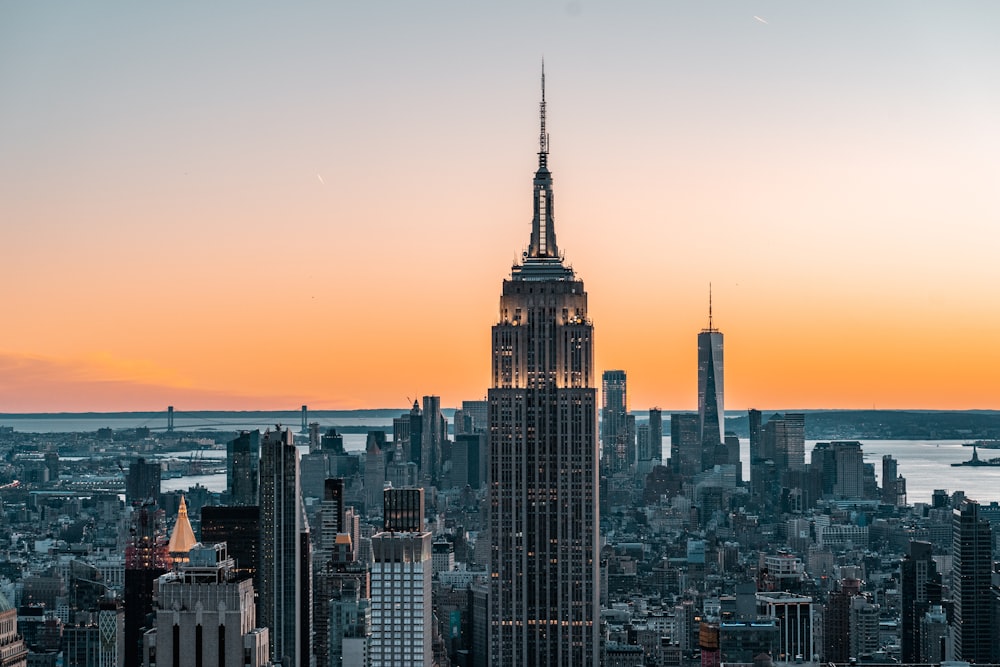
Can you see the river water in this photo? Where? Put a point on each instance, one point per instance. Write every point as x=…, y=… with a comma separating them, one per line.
x=926, y=465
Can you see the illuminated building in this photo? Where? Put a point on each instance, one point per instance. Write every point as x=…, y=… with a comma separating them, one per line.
x=543, y=455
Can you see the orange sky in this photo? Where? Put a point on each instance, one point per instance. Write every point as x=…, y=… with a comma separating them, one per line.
x=244, y=206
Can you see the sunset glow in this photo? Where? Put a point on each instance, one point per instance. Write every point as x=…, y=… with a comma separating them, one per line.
x=247, y=206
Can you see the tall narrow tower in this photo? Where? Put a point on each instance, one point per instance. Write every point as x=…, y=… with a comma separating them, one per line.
x=711, y=406
x=279, y=570
x=543, y=456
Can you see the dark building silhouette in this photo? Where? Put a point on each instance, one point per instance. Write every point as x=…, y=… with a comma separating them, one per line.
x=142, y=483
x=837, y=621
x=403, y=510
x=279, y=604
x=972, y=566
x=543, y=456
x=920, y=587
x=435, y=432
x=332, y=442
x=685, y=445
x=239, y=528
x=146, y=558
x=468, y=462
x=242, y=471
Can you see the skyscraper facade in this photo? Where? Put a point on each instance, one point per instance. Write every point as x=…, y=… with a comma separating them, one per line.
x=972, y=564
x=711, y=403
x=656, y=435
x=543, y=455
x=243, y=461
x=920, y=589
x=614, y=421
x=279, y=602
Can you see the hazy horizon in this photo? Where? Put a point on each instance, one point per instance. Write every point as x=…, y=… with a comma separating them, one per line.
x=245, y=204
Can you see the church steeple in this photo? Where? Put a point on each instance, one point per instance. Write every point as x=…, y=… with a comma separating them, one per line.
x=543, y=232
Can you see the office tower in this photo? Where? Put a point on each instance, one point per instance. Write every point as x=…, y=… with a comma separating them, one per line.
x=206, y=617
x=971, y=573
x=758, y=485
x=403, y=510
x=350, y=626
x=279, y=572
x=374, y=475
x=543, y=456
x=242, y=469
x=785, y=441
x=920, y=589
x=306, y=652
x=837, y=621
x=332, y=544
x=99, y=644
x=795, y=622
x=478, y=411
x=711, y=403
x=840, y=468
x=182, y=537
x=864, y=627
x=685, y=445
x=643, y=461
x=468, y=460
x=656, y=436
x=614, y=427
x=893, y=486
x=332, y=442
x=435, y=431
x=239, y=528
x=13, y=652
x=331, y=513
x=408, y=429
x=933, y=631
x=401, y=600
x=142, y=483
x=146, y=558
x=850, y=470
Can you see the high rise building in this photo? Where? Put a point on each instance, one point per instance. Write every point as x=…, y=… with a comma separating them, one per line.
x=543, y=455
x=920, y=589
x=242, y=469
x=656, y=435
x=374, y=475
x=785, y=441
x=205, y=616
x=279, y=602
x=893, y=485
x=142, y=483
x=971, y=572
x=239, y=528
x=435, y=431
x=403, y=510
x=401, y=624
x=685, y=445
x=711, y=403
x=615, y=454
x=146, y=558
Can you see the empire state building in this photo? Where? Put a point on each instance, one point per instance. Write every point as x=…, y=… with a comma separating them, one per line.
x=543, y=456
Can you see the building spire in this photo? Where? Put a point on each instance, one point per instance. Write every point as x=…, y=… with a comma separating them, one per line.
x=543, y=136
x=709, y=306
x=711, y=324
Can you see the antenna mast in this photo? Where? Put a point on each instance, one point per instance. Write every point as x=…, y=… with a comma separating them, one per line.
x=543, y=136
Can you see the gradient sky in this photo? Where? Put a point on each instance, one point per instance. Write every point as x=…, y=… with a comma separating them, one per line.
x=239, y=205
